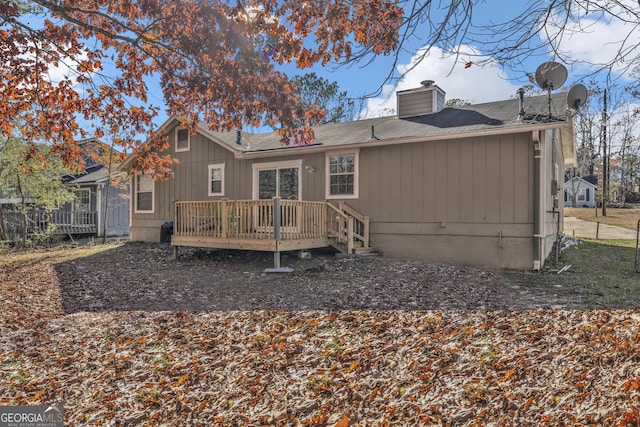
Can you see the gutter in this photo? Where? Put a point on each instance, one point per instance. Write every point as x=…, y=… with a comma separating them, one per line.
x=538, y=197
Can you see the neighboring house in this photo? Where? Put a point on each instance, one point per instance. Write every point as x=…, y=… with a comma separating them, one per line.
x=583, y=189
x=86, y=213
x=467, y=185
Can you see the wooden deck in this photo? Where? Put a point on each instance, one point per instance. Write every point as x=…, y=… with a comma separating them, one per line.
x=268, y=225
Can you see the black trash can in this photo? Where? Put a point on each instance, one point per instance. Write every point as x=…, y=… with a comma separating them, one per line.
x=166, y=230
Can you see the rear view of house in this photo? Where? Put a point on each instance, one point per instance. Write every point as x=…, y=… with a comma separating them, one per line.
x=478, y=184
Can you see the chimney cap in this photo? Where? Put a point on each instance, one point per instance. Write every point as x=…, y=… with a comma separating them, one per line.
x=427, y=83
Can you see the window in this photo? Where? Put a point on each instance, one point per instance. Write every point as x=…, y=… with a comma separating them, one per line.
x=216, y=180
x=581, y=195
x=82, y=202
x=143, y=188
x=342, y=175
x=183, y=142
x=277, y=179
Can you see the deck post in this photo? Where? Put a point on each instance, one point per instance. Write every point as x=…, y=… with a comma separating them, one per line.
x=277, y=221
x=350, y=235
x=224, y=217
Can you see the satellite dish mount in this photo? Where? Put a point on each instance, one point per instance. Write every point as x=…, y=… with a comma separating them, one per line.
x=577, y=96
x=550, y=76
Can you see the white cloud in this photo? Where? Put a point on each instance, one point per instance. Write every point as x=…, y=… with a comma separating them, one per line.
x=475, y=84
x=597, y=38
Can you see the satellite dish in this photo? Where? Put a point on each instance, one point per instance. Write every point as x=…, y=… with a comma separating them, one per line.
x=577, y=96
x=550, y=75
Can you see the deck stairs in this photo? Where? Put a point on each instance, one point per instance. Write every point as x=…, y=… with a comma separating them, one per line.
x=349, y=232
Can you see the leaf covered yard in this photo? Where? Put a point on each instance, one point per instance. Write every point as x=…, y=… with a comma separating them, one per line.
x=315, y=367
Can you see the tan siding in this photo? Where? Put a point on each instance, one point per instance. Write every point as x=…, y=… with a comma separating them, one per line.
x=523, y=182
x=417, y=183
x=387, y=163
x=492, y=181
x=507, y=185
x=415, y=194
x=453, y=184
x=479, y=185
x=466, y=181
x=404, y=190
x=430, y=182
x=440, y=193
x=413, y=104
x=370, y=181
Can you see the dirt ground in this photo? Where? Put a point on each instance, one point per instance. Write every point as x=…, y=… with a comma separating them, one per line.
x=136, y=276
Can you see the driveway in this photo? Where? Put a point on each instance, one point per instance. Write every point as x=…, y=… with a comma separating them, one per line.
x=578, y=228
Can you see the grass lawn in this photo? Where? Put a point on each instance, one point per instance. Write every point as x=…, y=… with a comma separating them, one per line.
x=601, y=276
x=627, y=218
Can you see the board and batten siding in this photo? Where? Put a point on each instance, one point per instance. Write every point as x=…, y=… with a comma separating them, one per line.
x=190, y=181
x=462, y=200
x=466, y=200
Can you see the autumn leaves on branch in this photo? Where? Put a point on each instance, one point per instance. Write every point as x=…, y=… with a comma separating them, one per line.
x=79, y=68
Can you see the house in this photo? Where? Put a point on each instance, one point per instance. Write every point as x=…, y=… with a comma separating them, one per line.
x=469, y=185
x=96, y=194
x=583, y=189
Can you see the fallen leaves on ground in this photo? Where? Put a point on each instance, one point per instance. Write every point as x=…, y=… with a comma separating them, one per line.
x=315, y=367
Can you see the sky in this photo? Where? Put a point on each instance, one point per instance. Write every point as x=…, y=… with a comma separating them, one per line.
x=596, y=42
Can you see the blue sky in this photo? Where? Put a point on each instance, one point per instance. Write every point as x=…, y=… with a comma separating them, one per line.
x=598, y=41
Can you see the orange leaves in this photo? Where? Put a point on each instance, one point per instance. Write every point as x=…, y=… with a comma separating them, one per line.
x=229, y=85
x=343, y=422
x=631, y=385
x=267, y=367
x=508, y=375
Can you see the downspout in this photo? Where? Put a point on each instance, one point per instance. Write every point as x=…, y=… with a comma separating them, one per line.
x=538, y=217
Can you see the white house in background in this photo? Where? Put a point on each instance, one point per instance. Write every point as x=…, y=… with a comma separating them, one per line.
x=585, y=193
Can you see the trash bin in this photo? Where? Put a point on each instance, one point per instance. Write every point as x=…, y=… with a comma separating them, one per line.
x=166, y=230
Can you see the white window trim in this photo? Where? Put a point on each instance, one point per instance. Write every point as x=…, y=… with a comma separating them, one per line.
x=356, y=175
x=76, y=194
x=257, y=167
x=582, y=192
x=179, y=150
x=135, y=196
x=210, y=168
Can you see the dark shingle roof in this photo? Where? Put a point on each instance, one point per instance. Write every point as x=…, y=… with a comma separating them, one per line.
x=449, y=121
x=499, y=115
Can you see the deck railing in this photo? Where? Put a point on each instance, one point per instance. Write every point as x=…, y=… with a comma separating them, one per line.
x=65, y=222
x=360, y=224
x=251, y=219
x=259, y=223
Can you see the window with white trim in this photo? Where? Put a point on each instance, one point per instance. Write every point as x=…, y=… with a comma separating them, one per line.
x=144, y=193
x=342, y=175
x=82, y=202
x=216, y=180
x=583, y=195
x=183, y=140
